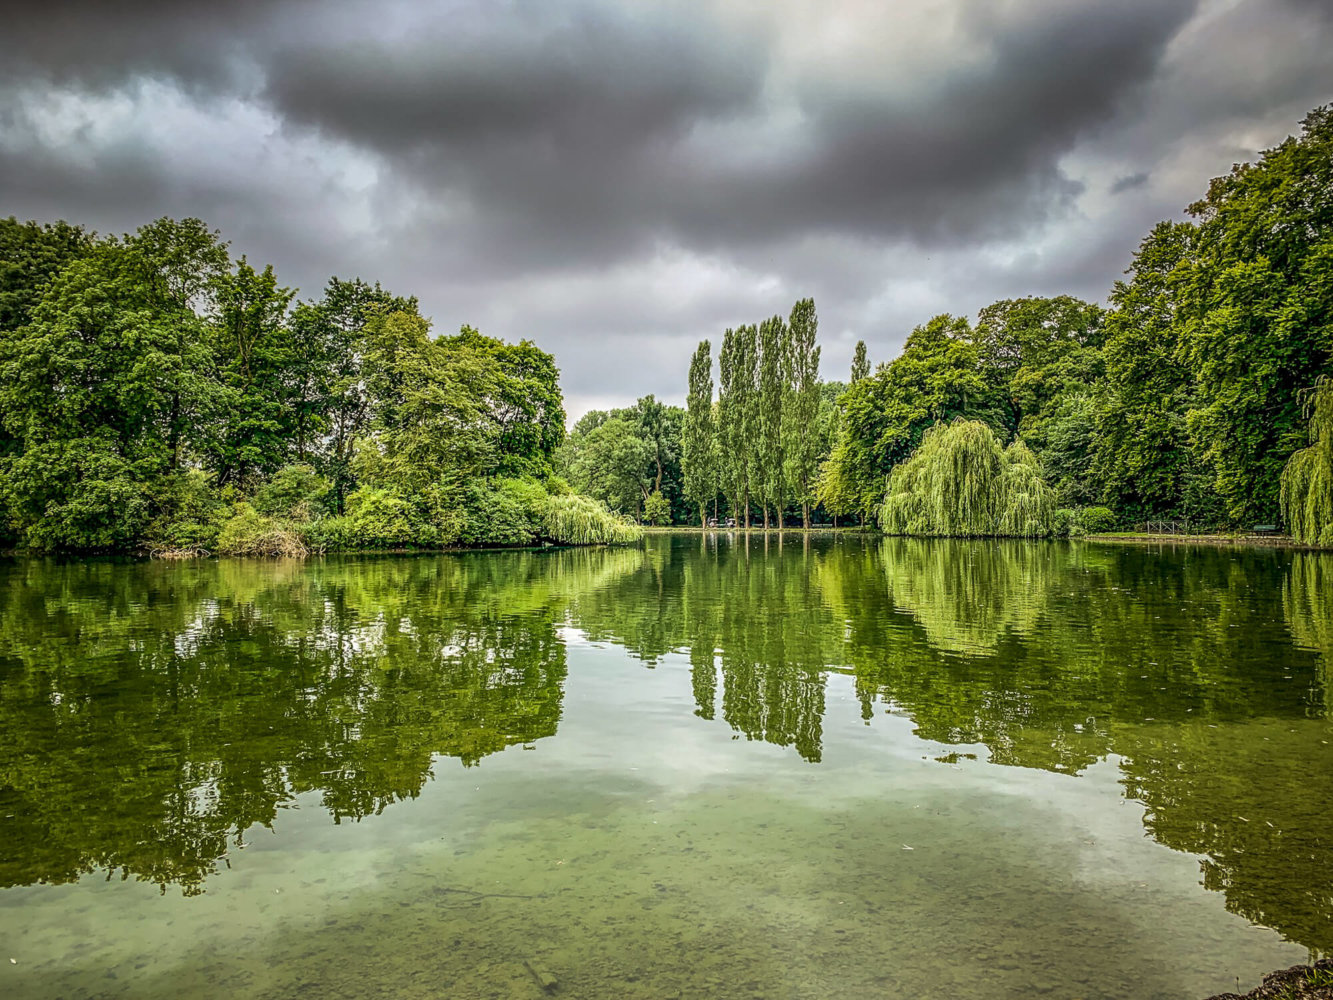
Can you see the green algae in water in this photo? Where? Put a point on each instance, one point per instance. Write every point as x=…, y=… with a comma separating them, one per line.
x=796, y=768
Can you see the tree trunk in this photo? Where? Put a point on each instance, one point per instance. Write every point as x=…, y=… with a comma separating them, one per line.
x=765, y=517
x=745, y=509
x=805, y=515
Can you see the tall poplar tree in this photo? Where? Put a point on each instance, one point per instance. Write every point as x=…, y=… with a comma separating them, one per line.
x=860, y=362
x=698, y=447
x=772, y=392
x=801, y=443
x=731, y=420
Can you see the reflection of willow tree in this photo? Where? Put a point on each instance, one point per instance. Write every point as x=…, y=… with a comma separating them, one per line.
x=151, y=714
x=1139, y=655
x=1307, y=601
x=970, y=595
x=1099, y=636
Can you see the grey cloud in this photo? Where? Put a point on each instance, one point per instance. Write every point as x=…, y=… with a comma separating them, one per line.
x=618, y=181
x=1129, y=182
x=580, y=140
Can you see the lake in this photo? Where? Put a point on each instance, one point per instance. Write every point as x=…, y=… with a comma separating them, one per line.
x=803, y=767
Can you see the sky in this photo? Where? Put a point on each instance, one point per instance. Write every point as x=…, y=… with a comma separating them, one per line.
x=619, y=180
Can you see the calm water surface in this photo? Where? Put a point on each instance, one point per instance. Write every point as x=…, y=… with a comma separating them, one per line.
x=705, y=767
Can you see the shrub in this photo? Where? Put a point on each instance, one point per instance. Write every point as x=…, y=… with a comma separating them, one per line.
x=294, y=491
x=503, y=512
x=191, y=515
x=381, y=519
x=1097, y=519
x=250, y=533
x=657, y=509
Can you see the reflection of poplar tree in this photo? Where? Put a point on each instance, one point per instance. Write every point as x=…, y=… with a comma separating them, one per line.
x=699, y=441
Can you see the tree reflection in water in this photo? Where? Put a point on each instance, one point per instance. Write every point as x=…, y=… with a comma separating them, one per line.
x=152, y=714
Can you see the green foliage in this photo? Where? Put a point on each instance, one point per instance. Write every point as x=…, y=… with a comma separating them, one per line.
x=1307, y=480
x=860, y=362
x=698, y=452
x=962, y=483
x=802, y=439
x=656, y=510
x=579, y=520
x=250, y=533
x=294, y=491
x=1079, y=521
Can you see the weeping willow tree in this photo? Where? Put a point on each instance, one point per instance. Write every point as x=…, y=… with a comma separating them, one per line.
x=961, y=482
x=1307, y=480
x=579, y=520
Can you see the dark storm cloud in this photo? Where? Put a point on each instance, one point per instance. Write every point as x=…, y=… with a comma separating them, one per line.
x=595, y=134
x=100, y=43
x=619, y=180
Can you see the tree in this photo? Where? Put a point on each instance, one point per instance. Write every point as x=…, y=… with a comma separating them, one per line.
x=250, y=427
x=104, y=384
x=962, y=482
x=885, y=415
x=698, y=443
x=770, y=401
x=860, y=362
x=610, y=461
x=1257, y=313
x=1143, y=456
x=802, y=444
x=738, y=416
x=1307, y=480
x=656, y=509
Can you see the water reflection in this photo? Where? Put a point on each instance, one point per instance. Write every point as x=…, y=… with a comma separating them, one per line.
x=152, y=714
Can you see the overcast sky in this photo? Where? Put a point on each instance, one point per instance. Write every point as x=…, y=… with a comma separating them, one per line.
x=618, y=180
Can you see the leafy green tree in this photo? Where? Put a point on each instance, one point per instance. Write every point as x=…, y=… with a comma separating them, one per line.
x=936, y=378
x=769, y=467
x=699, y=438
x=1143, y=456
x=610, y=461
x=738, y=416
x=860, y=362
x=30, y=256
x=1307, y=481
x=250, y=430
x=656, y=509
x=1257, y=313
x=103, y=384
x=1034, y=351
x=803, y=440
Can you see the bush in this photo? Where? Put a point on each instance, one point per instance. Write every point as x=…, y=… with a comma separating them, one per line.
x=294, y=491
x=250, y=533
x=657, y=509
x=503, y=512
x=191, y=515
x=381, y=519
x=1097, y=519
x=1075, y=522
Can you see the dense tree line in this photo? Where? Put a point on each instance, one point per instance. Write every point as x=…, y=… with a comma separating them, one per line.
x=1184, y=399
x=154, y=393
